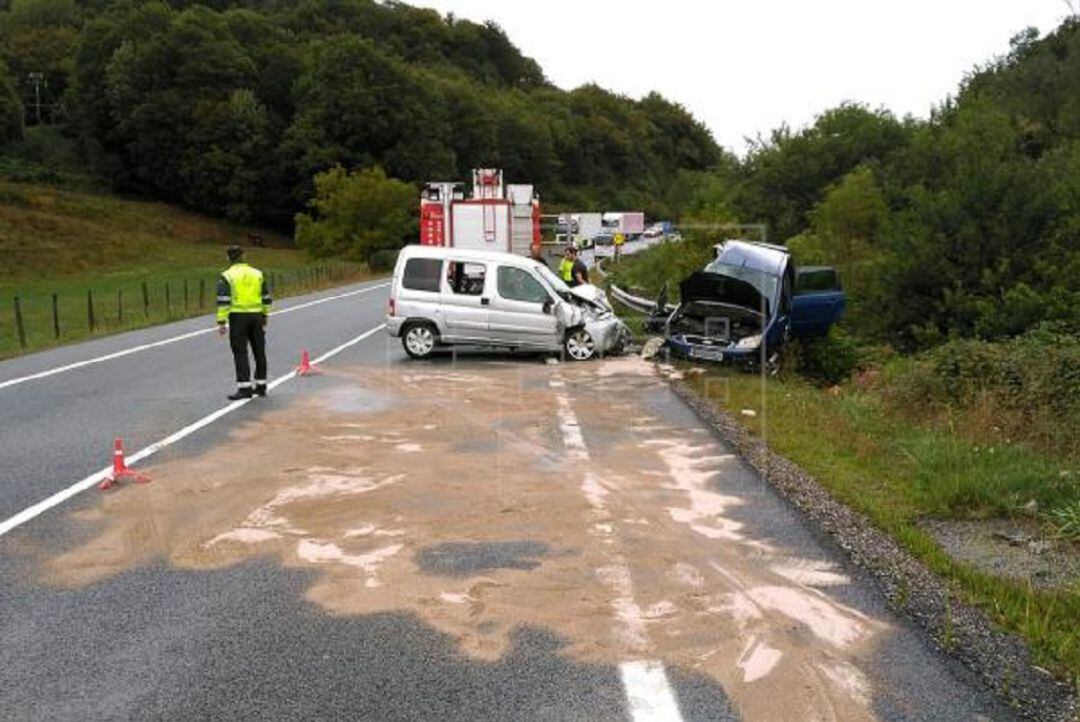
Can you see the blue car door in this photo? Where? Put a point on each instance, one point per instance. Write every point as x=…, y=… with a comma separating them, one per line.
x=819, y=302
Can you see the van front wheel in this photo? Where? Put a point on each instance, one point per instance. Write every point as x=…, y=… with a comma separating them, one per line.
x=419, y=340
x=579, y=345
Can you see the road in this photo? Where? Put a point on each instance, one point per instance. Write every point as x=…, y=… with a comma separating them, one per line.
x=478, y=537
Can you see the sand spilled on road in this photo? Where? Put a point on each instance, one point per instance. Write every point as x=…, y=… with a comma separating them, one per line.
x=453, y=498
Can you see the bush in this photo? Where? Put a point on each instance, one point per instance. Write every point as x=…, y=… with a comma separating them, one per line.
x=827, y=360
x=1028, y=386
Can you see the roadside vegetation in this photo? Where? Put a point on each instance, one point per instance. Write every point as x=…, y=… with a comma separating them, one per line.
x=873, y=456
x=70, y=243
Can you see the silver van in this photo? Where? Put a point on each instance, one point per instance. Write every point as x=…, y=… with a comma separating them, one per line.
x=446, y=296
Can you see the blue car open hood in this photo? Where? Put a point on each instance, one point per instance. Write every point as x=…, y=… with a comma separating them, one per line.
x=703, y=286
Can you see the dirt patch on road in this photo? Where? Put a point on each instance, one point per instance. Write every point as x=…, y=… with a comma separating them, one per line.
x=449, y=492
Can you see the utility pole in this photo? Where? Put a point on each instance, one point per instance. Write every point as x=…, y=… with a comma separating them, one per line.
x=38, y=79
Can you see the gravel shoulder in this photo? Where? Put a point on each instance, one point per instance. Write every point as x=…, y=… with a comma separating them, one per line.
x=1001, y=661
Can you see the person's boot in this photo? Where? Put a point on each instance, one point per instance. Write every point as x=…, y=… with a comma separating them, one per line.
x=241, y=393
x=260, y=389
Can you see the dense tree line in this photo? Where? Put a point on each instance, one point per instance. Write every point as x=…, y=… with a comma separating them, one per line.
x=233, y=107
x=966, y=224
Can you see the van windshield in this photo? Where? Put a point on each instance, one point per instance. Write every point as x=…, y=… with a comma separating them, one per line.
x=556, y=283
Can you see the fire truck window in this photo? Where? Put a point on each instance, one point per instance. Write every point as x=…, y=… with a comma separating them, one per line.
x=464, y=278
x=518, y=285
x=422, y=274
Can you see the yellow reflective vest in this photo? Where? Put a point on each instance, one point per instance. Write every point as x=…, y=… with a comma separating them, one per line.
x=242, y=289
x=566, y=270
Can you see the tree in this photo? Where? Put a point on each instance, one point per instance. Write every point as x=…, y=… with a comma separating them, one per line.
x=11, y=109
x=357, y=214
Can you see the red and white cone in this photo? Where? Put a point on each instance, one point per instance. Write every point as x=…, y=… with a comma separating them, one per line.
x=120, y=469
x=306, y=368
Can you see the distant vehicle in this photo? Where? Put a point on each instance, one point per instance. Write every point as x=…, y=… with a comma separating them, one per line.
x=747, y=303
x=447, y=296
x=606, y=238
x=653, y=233
x=630, y=224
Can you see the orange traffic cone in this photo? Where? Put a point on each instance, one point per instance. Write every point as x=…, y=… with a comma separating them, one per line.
x=306, y=368
x=120, y=469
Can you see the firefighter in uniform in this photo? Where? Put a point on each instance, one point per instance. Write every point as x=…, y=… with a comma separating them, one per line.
x=243, y=303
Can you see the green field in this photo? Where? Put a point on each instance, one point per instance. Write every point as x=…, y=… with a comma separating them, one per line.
x=99, y=251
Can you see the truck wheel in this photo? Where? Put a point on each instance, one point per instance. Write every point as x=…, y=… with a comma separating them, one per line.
x=419, y=339
x=579, y=345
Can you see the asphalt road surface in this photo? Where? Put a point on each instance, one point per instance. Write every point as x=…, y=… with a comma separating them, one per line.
x=476, y=537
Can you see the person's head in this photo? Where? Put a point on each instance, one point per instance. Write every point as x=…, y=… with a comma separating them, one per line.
x=235, y=254
x=571, y=252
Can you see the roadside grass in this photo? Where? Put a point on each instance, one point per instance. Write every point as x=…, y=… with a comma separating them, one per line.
x=69, y=243
x=897, y=472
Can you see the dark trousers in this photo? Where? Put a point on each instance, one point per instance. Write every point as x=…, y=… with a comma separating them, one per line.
x=245, y=329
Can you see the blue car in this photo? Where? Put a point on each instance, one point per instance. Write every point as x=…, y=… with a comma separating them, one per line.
x=747, y=303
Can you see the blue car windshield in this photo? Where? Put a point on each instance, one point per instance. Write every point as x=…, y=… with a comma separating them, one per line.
x=765, y=283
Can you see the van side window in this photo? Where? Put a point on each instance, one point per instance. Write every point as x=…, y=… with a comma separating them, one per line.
x=422, y=274
x=466, y=278
x=518, y=285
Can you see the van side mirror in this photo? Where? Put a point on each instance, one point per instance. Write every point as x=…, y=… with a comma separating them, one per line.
x=548, y=305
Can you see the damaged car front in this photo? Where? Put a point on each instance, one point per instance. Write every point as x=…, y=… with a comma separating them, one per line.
x=587, y=319
x=725, y=314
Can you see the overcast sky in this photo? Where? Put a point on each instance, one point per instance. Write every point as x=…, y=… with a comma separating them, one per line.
x=745, y=66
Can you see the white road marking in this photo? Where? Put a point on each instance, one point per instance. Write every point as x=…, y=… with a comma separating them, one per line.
x=94, y=479
x=173, y=339
x=648, y=694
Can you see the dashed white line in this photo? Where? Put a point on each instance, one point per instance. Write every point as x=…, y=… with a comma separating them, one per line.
x=648, y=694
x=172, y=340
x=650, y=697
x=94, y=479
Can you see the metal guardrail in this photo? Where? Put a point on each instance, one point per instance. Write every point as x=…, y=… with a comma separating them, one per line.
x=637, y=303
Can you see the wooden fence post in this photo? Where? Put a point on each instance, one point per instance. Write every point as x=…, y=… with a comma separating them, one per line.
x=168, y=301
x=56, y=316
x=19, y=324
x=120, y=306
x=185, y=296
x=145, y=300
x=202, y=293
x=90, y=309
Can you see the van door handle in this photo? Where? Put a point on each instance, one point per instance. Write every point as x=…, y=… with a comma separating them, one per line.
x=485, y=301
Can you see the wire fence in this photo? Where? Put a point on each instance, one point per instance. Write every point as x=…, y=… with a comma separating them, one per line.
x=37, y=319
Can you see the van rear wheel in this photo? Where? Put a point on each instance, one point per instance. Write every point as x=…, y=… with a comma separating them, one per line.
x=579, y=345
x=419, y=339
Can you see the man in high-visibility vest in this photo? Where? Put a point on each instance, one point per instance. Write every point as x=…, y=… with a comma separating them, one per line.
x=566, y=266
x=243, y=306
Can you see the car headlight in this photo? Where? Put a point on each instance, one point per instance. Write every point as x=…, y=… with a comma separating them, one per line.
x=749, y=341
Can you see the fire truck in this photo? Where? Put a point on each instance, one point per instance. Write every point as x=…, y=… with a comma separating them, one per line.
x=496, y=217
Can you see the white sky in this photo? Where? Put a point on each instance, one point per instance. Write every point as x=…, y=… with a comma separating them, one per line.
x=745, y=66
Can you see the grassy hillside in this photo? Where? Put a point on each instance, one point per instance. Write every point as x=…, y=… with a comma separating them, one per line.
x=70, y=243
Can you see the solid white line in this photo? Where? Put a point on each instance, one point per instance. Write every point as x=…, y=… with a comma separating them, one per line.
x=174, y=339
x=94, y=479
x=648, y=693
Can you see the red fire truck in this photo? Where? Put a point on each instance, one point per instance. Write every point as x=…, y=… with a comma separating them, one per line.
x=497, y=217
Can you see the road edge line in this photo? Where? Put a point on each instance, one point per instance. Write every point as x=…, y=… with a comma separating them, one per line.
x=78, y=487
